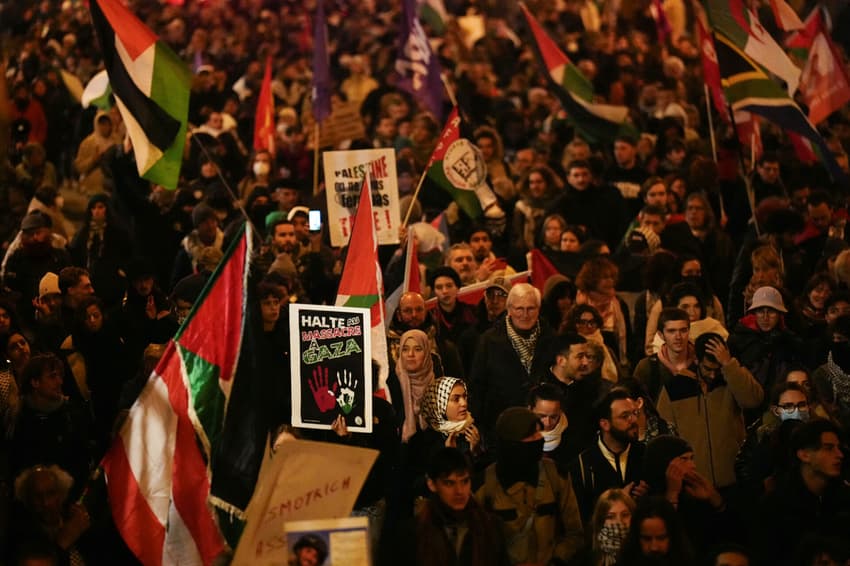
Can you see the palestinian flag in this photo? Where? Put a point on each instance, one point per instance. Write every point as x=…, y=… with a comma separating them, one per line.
x=742, y=28
x=264, y=122
x=151, y=88
x=472, y=294
x=156, y=474
x=457, y=167
x=594, y=122
x=362, y=284
x=785, y=16
x=748, y=88
x=97, y=92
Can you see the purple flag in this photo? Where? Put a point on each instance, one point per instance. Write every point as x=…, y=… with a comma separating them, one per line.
x=417, y=67
x=321, y=72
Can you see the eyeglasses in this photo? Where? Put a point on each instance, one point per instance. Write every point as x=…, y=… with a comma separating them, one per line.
x=791, y=407
x=586, y=322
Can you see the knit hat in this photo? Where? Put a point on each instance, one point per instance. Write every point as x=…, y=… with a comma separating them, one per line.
x=767, y=297
x=36, y=219
x=653, y=240
x=202, y=213
x=660, y=451
x=516, y=424
x=49, y=285
x=445, y=271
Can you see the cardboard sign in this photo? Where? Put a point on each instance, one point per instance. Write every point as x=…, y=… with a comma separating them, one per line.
x=331, y=365
x=302, y=481
x=344, y=173
x=344, y=123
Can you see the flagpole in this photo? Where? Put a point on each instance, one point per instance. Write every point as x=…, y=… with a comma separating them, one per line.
x=453, y=100
x=749, y=187
x=710, y=123
x=316, y=161
x=226, y=185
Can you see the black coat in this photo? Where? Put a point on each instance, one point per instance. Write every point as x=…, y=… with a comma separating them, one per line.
x=499, y=380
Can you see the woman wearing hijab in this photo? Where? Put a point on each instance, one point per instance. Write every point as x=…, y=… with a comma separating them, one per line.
x=414, y=371
x=445, y=409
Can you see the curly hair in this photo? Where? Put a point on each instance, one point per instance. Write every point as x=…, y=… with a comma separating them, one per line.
x=593, y=271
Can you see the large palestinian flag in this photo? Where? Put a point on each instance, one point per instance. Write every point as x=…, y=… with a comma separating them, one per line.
x=151, y=88
x=156, y=474
x=595, y=122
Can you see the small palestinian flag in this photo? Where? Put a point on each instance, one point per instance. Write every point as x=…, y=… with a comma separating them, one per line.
x=151, y=88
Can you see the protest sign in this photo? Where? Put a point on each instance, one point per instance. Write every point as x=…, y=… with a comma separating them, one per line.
x=344, y=172
x=344, y=123
x=335, y=541
x=302, y=481
x=331, y=366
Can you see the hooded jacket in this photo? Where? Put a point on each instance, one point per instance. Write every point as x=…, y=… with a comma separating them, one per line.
x=711, y=420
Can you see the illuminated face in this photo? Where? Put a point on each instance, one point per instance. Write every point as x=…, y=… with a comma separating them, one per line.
x=675, y=335
x=481, y=245
x=769, y=171
x=549, y=413
x=93, y=319
x=454, y=490
x=819, y=295
x=524, y=312
x=654, y=222
x=766, y=318
x=552, y=233
x=270, y=309
x=618, y=513
x=412, y=355
x=654, y=540
x=579, y=361
x=446, y=291
x=412, y=310
x=624, y=154
x=462, y=261
x=656, y=195
x=690, y=305
x=579, y=178
x=569, y=242
x=536, y=185
x=284, y=239
x=457, y=407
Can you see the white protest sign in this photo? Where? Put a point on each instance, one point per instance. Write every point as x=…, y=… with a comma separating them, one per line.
x=344, y=172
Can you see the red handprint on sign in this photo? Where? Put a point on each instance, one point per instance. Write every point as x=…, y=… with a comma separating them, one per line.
x=325, y=397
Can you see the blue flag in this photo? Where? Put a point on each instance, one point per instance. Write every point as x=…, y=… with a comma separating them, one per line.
x=416, y=65
x=321, y=71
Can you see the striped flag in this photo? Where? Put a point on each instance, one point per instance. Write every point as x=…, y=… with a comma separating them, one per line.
x=362, y=284
x=97, y=92
x=411, y=281
x=824, y=84
x=472, y=294
x=743, y=30
x=156, y=474
x=747, y=87
x=151, y=88
x=264, y=123
x=595, y=122
x=710, y=69
x=321, y=66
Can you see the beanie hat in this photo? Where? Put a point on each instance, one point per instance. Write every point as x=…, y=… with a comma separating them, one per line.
x=660, y=451
x=516, y=424
x=445, y=271
x=36, y=219
x=49, y=285
x=202, y=213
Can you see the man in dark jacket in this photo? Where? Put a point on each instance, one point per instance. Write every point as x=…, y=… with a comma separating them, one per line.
x=616, y=460
x=511, y=357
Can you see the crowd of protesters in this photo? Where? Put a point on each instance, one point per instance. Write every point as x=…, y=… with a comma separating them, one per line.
x=678, y=389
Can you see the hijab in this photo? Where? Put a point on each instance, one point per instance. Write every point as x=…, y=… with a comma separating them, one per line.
x=435, y=403
x=413, y=384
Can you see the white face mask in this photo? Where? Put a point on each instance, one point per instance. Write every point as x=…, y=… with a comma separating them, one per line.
x=261, y=168
x=796, y=414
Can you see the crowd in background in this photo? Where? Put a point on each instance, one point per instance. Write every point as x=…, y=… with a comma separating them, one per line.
x=678, y=388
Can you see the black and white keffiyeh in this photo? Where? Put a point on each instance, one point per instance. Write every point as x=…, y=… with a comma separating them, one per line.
x=434, y=404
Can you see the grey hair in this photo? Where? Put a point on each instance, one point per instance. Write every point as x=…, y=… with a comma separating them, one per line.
x=522, y=290
x=458, y=246
x=63, y=479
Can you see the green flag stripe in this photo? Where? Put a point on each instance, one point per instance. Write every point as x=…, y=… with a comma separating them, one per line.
x=206, y=395
x=170, y=89
x=467, y=200
x=363, y=301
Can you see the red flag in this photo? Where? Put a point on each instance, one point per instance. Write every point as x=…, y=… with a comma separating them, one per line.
x=710, y=68
x=472, y=294
x=824, y=84
x=785, y=16
x=541, y=269
x=264, y=125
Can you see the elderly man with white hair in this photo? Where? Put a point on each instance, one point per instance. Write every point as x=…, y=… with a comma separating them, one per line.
x=511, y=358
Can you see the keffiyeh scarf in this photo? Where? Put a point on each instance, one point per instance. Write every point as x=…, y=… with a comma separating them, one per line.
x=434, y=405
x=524, y=347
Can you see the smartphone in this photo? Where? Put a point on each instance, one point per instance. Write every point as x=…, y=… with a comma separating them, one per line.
x=314, y=219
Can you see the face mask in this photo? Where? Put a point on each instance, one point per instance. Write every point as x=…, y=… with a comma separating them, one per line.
x=611, y=537
x=261, y=168
x=797, y=415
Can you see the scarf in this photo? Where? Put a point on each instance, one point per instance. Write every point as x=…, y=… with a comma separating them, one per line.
x=609, y=366
x=840, y=382
x=413, y=384
x=94, y=244
x=435, y=402
x=195, y=247
x=664, y=358
x=524, y=347
x=552, y=438
x=610, y=540
x=612, y=315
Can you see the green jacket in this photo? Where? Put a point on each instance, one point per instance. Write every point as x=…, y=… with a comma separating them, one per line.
x=541, y=525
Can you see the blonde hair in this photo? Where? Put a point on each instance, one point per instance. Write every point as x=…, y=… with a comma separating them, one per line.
x=603, y=505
